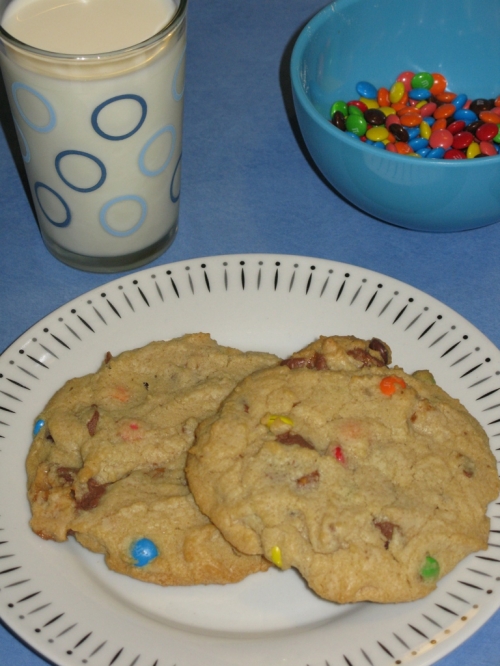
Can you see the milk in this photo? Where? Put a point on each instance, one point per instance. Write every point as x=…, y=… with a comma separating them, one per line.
x=86, y=26
x=100, y=135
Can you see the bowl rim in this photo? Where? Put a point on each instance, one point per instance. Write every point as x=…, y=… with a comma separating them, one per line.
x=307, y=31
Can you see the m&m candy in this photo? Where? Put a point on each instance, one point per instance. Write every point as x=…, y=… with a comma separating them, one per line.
x=417, y=116
x=276, y=558
x=430, y=569
x=38, y=426
x=143, y=551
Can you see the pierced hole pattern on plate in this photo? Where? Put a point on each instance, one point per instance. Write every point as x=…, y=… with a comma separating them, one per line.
x=417, y=315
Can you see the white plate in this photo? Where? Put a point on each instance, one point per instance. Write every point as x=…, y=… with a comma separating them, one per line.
x=63, y=601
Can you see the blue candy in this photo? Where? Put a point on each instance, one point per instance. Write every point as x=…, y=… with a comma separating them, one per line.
x=436, y=153
x=465, y=114
x=459, y=101
x=423, y=152
x=418, y=143
x=365, y=89
x=419, y=93
x=413, y=132
x=143, y=551
x=38, y=426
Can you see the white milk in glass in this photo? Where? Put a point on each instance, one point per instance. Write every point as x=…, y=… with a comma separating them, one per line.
x=86, y=26
x=97, y=104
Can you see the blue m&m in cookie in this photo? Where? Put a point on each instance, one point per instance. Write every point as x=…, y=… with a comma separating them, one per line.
x=38, y=426
x=143, y=552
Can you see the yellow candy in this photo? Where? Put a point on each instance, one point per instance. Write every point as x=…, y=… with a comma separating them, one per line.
x=425, y=130
x=419, y=105
x=379, y=133
x=276, y=556
x=473, y=150
x=370, y=103
x=387, y=110
x=283, y=419
x=396, y=92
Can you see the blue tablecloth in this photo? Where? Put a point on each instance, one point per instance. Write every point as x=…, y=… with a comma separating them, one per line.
x=248, y=185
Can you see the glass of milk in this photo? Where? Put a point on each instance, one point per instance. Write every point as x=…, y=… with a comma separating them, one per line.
x=96, y=91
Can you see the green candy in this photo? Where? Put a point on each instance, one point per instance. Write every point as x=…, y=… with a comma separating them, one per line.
x=422, y=80
x=356, y=124
x=353, y=110
x=430, y=569
x=338, y=106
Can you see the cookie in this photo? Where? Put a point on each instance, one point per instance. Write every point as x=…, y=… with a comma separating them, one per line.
x=341, y=352
x=371, y=482
x=107, y=462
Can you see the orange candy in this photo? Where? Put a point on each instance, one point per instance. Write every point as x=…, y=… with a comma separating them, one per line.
x=403, y=149
x=444, y=111
x=489, y=117
x=439, y=85
x=439, y=125
x=398, y=106
x=120, y=393
x=388, y=384
x=446, y=97
x=408, y=109
x=383, y=97
x=411, y=119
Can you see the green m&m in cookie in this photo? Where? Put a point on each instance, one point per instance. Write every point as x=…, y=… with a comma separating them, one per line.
x=430, y=569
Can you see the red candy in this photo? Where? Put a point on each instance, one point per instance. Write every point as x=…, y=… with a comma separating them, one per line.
x=339, y=454
x=361, y=105
x=454, y=154
x=428, y=109
x=441, y=139
x=486, y=132
x=405, y=78
x=487, y=148
x=462, y=140
x=456, y=126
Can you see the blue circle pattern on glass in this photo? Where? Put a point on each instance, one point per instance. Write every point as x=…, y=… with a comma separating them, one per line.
x=95, y=159
x=95, y=125
x=112, y=202
x=175, y=197
x=142, y=165
x=64, y=223
x=95, y=115
x=26, y=155
x=52, y=114
x=177, y=95
x=143, y=551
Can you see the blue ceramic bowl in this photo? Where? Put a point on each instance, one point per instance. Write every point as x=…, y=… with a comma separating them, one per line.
x=376, y=40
